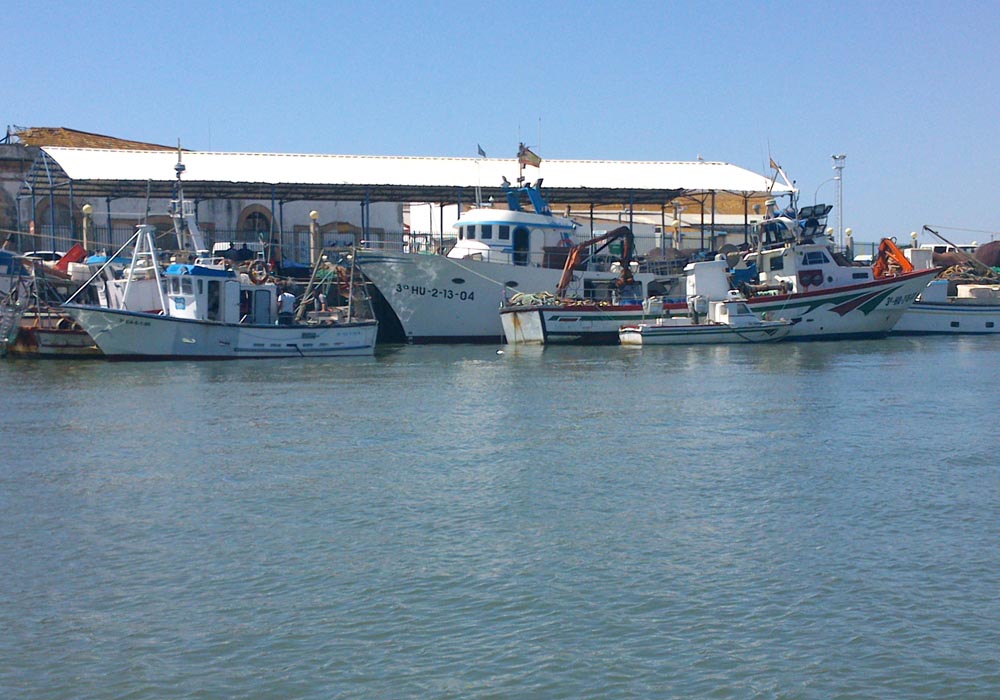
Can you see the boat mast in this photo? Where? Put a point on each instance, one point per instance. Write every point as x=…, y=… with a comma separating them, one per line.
x=183, y=215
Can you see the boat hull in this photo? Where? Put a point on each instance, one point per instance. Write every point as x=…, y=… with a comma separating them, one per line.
x=858, y=311
x=52, y=335
x=132, y=335
x=646, y=334
x=447, y=300
x=562, y=325
x=949, y=318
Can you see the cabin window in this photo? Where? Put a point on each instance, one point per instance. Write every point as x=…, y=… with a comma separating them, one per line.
x=487, y=231
x=175, y=285
x=201, y=288
x=470, y=233
x=521, y=244
x=246, y=305
x=815, y=257
x=186, y=286
x=504, y=233
x=777, y=263
x=213, y=299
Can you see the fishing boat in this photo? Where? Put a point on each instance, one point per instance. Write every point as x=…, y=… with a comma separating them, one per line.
x=212, y=312
x=48, y=332
x=499, y=252
x=547, y=318
x=792, y=270
x=708, y=323
x=964, y=299
x=31, y=324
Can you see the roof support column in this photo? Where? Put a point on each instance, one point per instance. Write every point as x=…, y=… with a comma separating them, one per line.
x=631, y=212
x=52, y=216
x=746, y=219
x=275, y=254
x=663, y=228
x=111, y=230
x=72, y=213
x=368, y=212
x=714, y=247
x=702, y=243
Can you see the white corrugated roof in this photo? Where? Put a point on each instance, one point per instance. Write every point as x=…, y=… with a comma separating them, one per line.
x=272, y=168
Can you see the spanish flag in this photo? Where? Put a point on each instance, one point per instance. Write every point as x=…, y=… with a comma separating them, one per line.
x=526, y=157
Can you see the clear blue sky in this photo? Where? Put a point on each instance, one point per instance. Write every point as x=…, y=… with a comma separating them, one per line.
x=908, y=90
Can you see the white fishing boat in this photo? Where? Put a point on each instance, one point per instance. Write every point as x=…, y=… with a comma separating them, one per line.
x=708, y=323
x=794, y=271
x=454, y=297
x=213, y=312
x=963, y=300
x=545, y=318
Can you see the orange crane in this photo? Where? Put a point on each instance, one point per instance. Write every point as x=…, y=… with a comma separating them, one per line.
x=573, y=259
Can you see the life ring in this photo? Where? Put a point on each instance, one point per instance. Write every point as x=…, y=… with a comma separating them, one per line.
x=257, y=272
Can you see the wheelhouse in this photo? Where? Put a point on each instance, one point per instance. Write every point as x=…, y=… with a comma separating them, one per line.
x=206, y=293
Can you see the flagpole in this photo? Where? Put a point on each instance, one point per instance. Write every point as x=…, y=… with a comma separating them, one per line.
x=479, y=178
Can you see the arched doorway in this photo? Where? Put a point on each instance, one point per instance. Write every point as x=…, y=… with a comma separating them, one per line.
x=254, y=223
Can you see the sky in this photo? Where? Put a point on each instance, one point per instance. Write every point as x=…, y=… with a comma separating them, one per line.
x=908, y=91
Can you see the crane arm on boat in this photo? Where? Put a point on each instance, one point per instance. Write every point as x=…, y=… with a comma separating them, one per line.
x=573, y=258
x=890, y=260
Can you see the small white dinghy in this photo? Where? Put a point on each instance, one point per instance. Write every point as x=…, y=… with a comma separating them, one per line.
x=709, y=322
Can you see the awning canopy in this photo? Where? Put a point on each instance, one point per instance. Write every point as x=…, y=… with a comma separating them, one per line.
x=90, y=172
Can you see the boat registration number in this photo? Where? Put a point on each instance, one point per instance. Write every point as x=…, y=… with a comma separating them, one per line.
x=436, y=293
x=901, y=299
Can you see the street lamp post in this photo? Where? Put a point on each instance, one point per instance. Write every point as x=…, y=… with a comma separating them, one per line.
x=677, y=225
x=88, y=221
x=838, y=165
x=314, y=240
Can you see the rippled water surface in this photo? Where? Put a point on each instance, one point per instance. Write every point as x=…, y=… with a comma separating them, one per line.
x=817, y=520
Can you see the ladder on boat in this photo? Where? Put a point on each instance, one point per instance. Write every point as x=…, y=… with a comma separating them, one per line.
x=12, y=308
x=10, y=321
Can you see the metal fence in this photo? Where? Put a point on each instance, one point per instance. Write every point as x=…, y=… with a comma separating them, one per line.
x=295, y=245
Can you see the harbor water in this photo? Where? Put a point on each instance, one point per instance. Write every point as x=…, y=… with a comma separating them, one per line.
x=800, y=520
